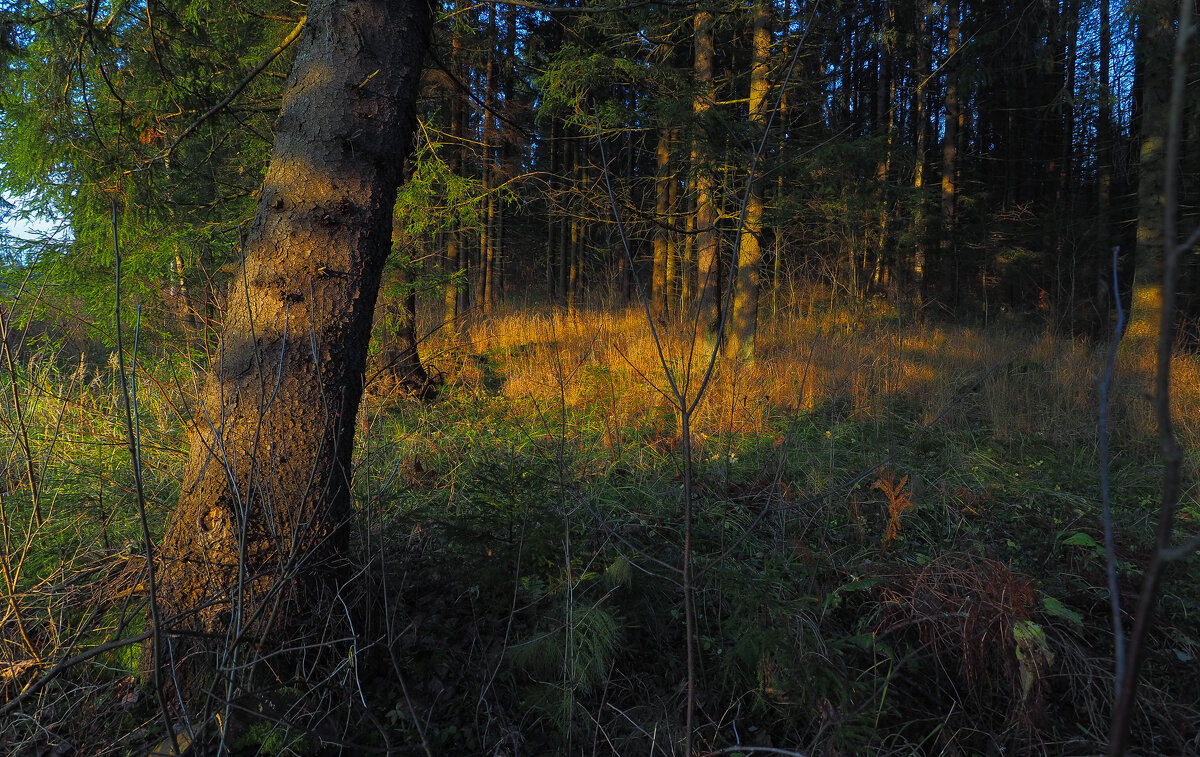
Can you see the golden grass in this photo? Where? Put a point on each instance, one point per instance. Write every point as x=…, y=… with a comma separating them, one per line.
x=1011, y=383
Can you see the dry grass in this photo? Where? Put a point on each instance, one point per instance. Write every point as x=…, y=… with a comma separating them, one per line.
x=1013, y=384
x=933, y=591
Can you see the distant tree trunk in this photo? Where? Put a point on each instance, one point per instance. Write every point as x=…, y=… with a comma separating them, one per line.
x=885, y=123
x=708, y=302
x=574, y=275
x=921, y=114
x=184, y=307
x=953, y=110
x=250, y=551
x=454, y=257
x=552, y=291
x=1155, y=38
x=567, y=166
x=662, y=194
x=674, y=262
x=487, y=235
x=687, y=257
x=744, y=316
x=1104, y=140
x=398, y=366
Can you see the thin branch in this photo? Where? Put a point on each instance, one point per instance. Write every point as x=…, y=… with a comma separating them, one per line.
x=54, y=672
x=136, y=460
x=22, y=433
x=1192, y=240
x=292, y=36
x=1110, y=539
x=574, y=10
x=745, y=749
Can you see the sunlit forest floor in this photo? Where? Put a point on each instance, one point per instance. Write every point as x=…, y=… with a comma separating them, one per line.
x=896, y=543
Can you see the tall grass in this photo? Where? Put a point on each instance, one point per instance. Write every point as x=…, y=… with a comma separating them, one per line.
x=1026, y=382
x=896, y=545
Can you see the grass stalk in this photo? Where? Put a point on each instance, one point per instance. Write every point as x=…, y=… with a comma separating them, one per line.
x=135, y=457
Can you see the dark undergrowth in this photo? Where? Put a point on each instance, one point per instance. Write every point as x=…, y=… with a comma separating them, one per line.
x=897, y=550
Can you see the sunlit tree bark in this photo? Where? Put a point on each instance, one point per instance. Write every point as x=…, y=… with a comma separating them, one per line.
x=1155, y=38
x=707, y=240
x=662, y=195
x=265, y=497
x=744, y=315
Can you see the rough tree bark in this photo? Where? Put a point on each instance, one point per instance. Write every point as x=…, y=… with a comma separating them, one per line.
x=743, y=322
x=265, y=494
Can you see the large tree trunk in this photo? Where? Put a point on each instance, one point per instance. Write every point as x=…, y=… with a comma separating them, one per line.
x=265, y=497
x=744, y=316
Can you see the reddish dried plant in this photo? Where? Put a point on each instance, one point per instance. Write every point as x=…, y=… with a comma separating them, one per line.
x=898, y=500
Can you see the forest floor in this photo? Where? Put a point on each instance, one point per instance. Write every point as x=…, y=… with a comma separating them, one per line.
x=895, y=534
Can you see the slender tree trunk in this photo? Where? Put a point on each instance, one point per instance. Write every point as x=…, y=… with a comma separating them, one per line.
x=1064, y=193
x=398, y=365
x=487, y=234
x=744, y=318
x=953, y=110
x=265, y=498
x=777, y=262
x=662, y=193
x=574, y=277
x=708, y=302
x=567, y=166
x=687, y=259
x=1104, y=139
x=674, y=264
x=453, y=261
x=1155, y=40
x=920, y=231
x=885, y=115
x=185, y=308
x=551, y=220
x=498, y=248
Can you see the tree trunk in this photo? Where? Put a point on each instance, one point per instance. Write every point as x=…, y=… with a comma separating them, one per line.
x=397, y=368
x=708, y=303
x=567, y=166
x=456, y=276
x=921, y=249
x=662, y=190
x=744, y=318
x=674, y=264
x=487, y=235
x=1104, y=140
x=1155, y=38
x=950, y=159
x=254, y=544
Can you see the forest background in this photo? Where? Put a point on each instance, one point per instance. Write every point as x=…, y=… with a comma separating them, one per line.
x=846, y=497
